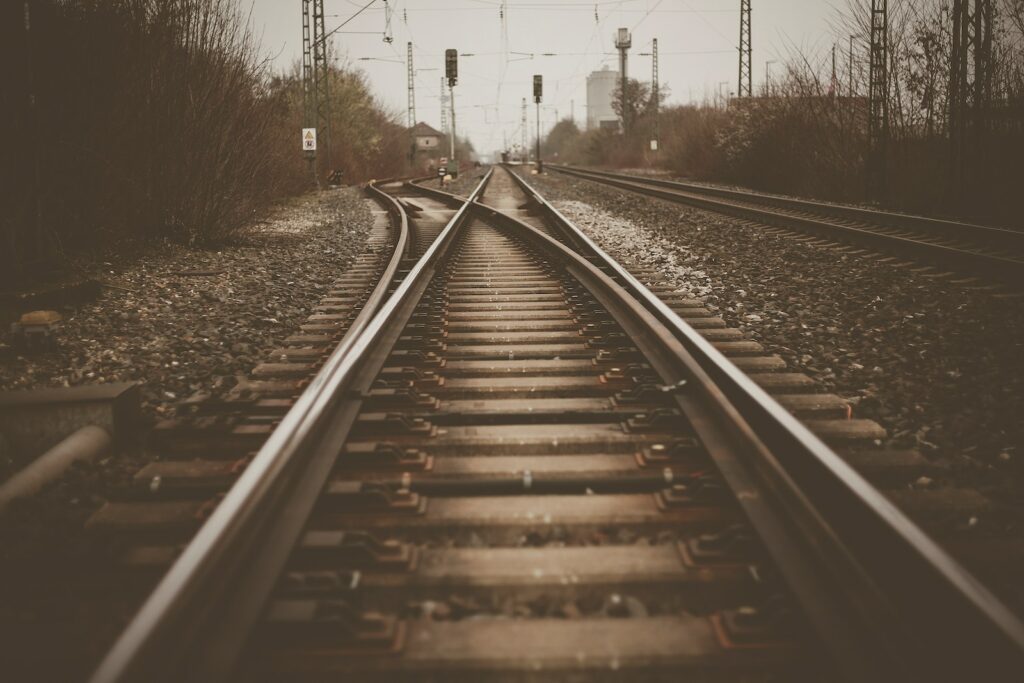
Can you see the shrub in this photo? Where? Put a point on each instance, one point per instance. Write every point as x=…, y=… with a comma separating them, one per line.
x=156, y=119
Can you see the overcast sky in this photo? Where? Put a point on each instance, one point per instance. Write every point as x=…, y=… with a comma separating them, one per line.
x=697, y=41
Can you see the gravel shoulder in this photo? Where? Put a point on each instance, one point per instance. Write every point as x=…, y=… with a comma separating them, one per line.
x=178, y=333
x=180, y=320
x=940, y=366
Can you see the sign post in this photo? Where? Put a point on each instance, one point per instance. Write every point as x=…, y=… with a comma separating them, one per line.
x=309, y=140
x=309, y=150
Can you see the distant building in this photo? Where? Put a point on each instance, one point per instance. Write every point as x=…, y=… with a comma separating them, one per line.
x=426, y=145
x=425, y=137
x=601, y=87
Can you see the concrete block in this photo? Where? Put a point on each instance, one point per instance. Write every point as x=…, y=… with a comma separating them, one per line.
x=35, y=420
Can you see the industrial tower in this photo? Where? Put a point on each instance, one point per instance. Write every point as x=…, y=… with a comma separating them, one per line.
x=623, y=41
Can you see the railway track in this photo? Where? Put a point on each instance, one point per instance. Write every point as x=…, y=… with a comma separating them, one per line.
x=990, y=252
x=524, y=465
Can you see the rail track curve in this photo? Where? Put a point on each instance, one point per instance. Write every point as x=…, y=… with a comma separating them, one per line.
x=519, y=463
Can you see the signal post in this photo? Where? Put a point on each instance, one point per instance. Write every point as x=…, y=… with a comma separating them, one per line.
x=538, y=92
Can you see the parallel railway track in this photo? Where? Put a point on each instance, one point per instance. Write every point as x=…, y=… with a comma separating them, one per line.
x=523, y=465
x=990, y=252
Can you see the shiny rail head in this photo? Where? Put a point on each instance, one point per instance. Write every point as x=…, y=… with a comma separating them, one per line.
x=164, y=617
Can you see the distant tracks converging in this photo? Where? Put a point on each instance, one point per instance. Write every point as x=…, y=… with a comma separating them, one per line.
x=513, y=461
x=992, y=253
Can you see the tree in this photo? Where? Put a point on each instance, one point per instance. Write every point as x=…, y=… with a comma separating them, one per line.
x=630, y=106
x=637, y=107
x=564, y=134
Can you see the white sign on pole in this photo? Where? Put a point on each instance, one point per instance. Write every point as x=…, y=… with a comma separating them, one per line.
x=654, y=145
x=309, y=139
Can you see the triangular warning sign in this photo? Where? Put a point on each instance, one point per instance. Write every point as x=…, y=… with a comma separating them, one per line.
x=309, y=135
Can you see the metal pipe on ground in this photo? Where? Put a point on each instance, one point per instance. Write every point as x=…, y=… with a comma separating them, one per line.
x=87, y=443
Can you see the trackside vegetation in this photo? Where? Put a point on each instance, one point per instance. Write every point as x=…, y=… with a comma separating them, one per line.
x=130, y=120
x=804, y=131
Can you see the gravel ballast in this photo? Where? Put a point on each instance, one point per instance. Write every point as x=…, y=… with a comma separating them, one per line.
x=936, y=363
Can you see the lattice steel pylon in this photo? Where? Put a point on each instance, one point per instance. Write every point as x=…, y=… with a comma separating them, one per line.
x=526, y=138
x=655, y=92
x=308, y=91
x=970, y=89
x=321, y=80
x=444, y=106
x=745, y=88
x=878, y=99
x=411, y=75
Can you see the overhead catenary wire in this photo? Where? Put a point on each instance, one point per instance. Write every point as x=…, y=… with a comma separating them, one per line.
x=507, y=42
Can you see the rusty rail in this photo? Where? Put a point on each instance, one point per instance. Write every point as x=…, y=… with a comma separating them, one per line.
x=990, y=252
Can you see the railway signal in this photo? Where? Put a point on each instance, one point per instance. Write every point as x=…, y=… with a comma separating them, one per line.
x=451, y=66
x=451, y=71
x=538, y=95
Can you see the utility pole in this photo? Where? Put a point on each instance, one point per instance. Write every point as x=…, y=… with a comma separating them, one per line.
x=526, y=137
x=746, y=72
x=849, y=90
x=655, y=96
x=878, y=99
x=833, y=84
x=451, y=140
x=623, y=42
x=538, y=92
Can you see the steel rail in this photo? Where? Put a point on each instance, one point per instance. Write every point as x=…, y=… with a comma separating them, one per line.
x=738, y=203
x=915, y=605
x=957, y=229
x=194, y=624
x=401, y=220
